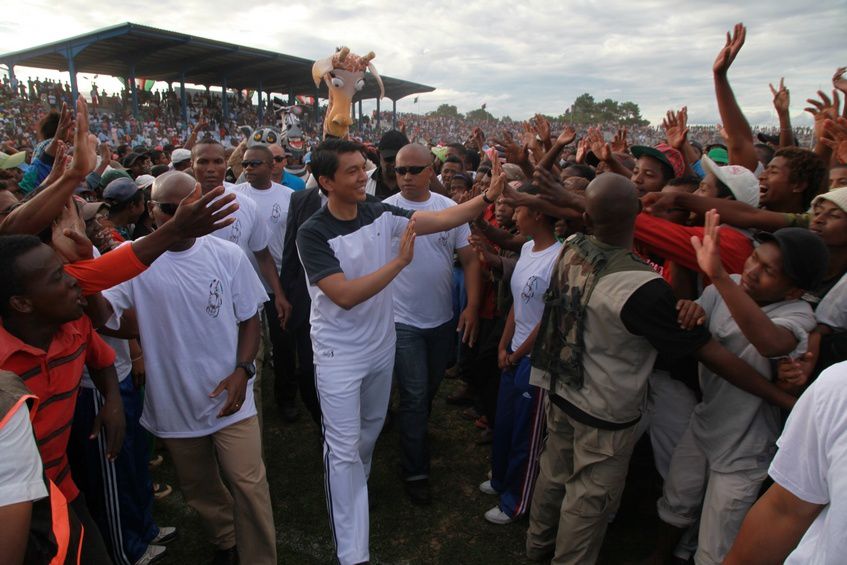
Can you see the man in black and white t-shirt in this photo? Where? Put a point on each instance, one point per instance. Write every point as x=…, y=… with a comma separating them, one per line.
x=423, y=314
x=346, y=251
x=198, y=318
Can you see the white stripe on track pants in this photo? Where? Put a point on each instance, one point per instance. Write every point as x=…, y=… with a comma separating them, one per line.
x=354, y=400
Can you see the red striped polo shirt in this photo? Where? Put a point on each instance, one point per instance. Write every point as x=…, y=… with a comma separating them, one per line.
x=54, y=376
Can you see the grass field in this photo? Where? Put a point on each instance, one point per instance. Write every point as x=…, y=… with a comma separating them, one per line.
x=450, y=531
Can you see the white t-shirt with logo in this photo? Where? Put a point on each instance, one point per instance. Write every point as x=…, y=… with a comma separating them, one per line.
x=423, y=291
x=247, y=231
x=812, y=465
x=530, y=280
x=272, y=211
x=189, y=304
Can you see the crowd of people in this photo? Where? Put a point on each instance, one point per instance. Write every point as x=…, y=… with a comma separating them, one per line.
x=587, y=286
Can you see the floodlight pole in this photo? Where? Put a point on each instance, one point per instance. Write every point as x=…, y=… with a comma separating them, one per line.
x=360, y=116
x=378, y=119
x=393, y=114
x=224, y=102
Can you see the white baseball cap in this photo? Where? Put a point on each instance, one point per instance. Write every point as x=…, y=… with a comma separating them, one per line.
x=741, y=181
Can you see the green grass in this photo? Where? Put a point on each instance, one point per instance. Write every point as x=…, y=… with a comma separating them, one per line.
x=451, y=531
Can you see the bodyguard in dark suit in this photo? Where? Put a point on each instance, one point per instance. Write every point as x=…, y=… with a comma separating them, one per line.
x=299, y=372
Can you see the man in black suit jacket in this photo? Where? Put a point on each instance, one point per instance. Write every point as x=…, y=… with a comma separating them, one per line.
x=299, y=372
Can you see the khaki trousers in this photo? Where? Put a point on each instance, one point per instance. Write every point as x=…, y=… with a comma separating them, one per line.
x=582, y=473
x=242, y=517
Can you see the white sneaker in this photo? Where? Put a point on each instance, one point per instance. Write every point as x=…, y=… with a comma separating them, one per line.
x=166, y=534
x=152, y=554
x=497, y=516
x=487, y=488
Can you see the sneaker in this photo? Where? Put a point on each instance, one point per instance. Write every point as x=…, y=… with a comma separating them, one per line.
x=497, y=516
x=166, y=534
x=418, y=491
x=152, y=554
x=161, y=490
x=155, y=462
x=487, y=488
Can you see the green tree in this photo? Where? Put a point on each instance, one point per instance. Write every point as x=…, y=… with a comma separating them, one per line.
x=447, y=111
x=587, y=111
x=480, y=114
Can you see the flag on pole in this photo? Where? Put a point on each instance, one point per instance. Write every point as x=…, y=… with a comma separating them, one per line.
x=415, y=101
x=144, y=84
x=306, y=100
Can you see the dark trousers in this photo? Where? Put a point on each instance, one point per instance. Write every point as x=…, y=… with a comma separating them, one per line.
x=94, y=550
x=293, y=363
x=478, y=367
x=119, y=492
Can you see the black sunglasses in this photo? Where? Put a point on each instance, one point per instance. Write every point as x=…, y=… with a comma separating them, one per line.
x=279, y=158
x=166, y=207
x=414, y=170
x=253, y=163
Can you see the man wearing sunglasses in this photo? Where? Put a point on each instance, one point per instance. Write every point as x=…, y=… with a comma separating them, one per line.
x=423, y=314
x=272, y=203
x=278, y=174
x=347, y=255
x=198, y=317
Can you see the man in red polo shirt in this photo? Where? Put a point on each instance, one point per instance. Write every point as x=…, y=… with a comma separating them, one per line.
x=46, y=340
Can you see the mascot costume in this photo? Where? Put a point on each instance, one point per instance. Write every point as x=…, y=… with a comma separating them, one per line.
x=344, y=74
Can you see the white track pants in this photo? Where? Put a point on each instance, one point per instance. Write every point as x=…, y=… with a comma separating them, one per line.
x=354, y=400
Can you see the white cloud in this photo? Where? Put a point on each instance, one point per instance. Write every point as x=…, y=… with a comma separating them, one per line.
x=517, y=58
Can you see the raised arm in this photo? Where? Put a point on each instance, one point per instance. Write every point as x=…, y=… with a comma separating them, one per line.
x=39, y=212
x=348, y=293
x=427, y=222
x=740, y=136
x=732, y=212
x=769, y=339
x=781, y=101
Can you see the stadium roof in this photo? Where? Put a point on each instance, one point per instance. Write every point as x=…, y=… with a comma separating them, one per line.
x=167, y=56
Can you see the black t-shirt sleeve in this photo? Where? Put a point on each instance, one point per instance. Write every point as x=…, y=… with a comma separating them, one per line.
x=319, y=260
x=396, y=210
x=651, y=312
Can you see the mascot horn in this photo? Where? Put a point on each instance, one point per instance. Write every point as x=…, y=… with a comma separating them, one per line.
x=344, y=74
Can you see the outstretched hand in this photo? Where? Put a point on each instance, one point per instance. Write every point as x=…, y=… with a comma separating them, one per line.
x=85, y=144
x=708, y=249
x=835, y=137
x=839, y=81
x=406, y=252
x=199, y=215
x=729, y=52
x=781, y=97
x=619, y=143
x=675, y=126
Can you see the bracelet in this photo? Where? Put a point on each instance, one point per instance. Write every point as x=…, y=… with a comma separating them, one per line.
x=486, y=199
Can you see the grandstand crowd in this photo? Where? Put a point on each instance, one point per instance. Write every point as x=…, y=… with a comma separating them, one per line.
x=590, y=285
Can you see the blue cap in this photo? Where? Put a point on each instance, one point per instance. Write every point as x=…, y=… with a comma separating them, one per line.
x=120, y=190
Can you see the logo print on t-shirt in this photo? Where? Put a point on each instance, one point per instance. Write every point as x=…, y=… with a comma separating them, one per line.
x=443, y=237
x=276, y=213
x=529, y=289
x=235, y=231
x=216, y=298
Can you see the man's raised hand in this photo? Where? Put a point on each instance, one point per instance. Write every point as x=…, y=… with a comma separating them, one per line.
x=727, y=54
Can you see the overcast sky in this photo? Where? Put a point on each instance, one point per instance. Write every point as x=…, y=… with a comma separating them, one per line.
x=518, y=58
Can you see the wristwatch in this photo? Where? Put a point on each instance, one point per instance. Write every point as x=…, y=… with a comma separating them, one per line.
x=249, y=368
x=486, y=199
